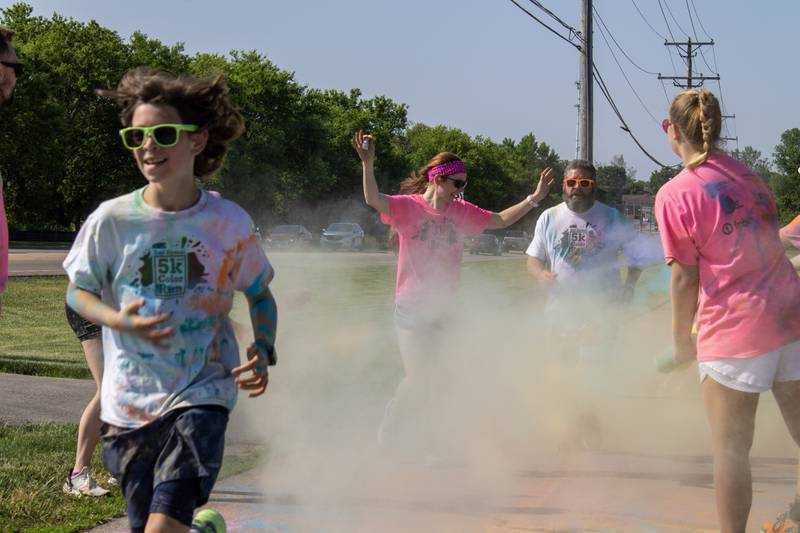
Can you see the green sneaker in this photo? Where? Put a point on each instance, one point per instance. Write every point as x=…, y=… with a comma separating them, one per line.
x=208, y=521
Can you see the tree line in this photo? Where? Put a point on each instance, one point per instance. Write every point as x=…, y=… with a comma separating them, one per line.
x=61, y=156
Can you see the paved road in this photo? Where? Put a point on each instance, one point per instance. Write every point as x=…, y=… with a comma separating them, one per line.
x=580, y=492
x=41, y=399
x=29, y=262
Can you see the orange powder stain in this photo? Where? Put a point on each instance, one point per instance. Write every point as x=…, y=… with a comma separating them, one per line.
x=139, y=414
x=229, y=269
x=214, y=304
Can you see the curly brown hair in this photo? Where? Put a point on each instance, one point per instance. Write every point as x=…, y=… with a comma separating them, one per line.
x=203, y=102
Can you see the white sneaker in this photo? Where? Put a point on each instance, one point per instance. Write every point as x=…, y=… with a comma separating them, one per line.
x=82, y=483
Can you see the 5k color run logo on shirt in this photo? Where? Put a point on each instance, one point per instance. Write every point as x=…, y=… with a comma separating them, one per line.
x=172, y=270
x=578, y=243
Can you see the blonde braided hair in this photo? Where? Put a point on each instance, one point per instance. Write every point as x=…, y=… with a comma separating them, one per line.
x=697, y=114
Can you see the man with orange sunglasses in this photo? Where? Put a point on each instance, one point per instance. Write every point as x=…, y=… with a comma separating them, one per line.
x=574, y=255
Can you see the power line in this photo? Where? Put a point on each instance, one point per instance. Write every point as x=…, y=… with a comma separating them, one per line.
x=715, y=70
x=669, y=54
x=595, y=74
x=602, y=34
x=696, y=38
x=572, y=31
x=691, y=21
x=618, y=46
x=698, y=20
x=537, y=19
x=664, y=15
x=664, y=87
x=669, y=30
x=666, y=3
x=625, y=127
x=645, y=20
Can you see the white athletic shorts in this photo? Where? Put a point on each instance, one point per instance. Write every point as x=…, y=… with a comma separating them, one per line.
x=755, y=374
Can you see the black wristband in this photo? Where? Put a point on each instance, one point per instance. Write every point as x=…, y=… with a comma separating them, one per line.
x=268, y=350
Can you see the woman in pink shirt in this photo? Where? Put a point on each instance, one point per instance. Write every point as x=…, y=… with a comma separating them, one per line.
x=719, y=229
x=431, y=221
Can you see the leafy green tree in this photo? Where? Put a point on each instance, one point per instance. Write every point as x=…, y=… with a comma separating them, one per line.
x=786, y=182
x=611, y=180
x=752, y=158
x=660, y=177
x=787, y=153
x=54, y=180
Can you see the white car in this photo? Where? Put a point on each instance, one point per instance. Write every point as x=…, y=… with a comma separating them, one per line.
x=343, y=235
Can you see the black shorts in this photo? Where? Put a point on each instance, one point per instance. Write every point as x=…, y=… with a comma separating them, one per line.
x=84, y=329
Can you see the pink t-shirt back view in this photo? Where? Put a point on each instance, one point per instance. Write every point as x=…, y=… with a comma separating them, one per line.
x=721, y=217
x=431, y=247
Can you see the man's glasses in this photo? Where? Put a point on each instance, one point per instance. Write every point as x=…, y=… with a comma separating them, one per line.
x=583, y=183
x=164, y=135
x=459, y=184
x=17, y=67
x=665, y=125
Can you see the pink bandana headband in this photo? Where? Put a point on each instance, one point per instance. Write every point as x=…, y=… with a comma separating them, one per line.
x=447, y=169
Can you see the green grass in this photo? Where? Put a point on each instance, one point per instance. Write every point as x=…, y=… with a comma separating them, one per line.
x=34, y=460
x=33, y=321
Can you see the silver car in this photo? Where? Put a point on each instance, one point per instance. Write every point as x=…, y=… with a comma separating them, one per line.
x=516, y=240
x=343, y=235
x=289, y=235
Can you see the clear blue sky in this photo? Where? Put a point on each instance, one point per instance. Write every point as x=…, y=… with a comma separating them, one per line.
x=485, y=67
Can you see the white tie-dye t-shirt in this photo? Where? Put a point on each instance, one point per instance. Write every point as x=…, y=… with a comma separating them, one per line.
x=187, y=264
x=583, y=249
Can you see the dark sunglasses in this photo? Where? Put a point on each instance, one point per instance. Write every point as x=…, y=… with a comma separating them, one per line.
x=17, y=67
x=583, y=183
x=459, y=184
x=665, y=125
x=165, y=135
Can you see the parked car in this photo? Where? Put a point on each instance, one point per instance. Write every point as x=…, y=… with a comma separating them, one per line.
x=342, y=235
x=486, y=243
x=517, y=240
x=289, y=235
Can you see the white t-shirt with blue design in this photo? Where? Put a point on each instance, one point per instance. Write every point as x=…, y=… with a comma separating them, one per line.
x=187, y=264
x=582, y=249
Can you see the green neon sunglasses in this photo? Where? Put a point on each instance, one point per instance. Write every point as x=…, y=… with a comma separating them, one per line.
x=164, y=135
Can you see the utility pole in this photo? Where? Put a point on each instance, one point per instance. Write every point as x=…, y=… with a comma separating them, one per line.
x=586, y=112
x=577, y=107
x=688, y=56
x=730, y=138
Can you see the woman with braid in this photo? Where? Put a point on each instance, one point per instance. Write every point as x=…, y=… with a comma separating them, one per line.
x=719, y=229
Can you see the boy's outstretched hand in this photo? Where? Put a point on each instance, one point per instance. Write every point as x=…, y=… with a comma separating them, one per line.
x=257, y=363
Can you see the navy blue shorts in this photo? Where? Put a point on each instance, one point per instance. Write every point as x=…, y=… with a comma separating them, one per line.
x=168, y=466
